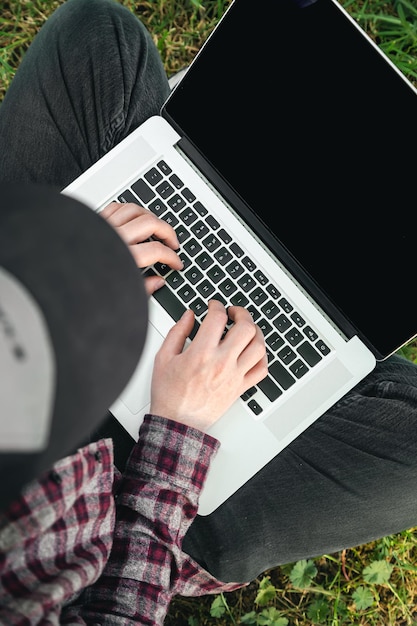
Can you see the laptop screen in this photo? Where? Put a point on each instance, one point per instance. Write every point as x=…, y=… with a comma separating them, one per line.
x=312, y=127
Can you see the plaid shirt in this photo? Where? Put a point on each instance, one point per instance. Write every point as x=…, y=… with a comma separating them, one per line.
x=86, y=545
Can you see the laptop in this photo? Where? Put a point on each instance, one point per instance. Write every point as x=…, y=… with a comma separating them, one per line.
x=282, y=160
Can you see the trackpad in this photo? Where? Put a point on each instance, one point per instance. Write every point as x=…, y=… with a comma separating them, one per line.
x=311, y=402
x=137, y=396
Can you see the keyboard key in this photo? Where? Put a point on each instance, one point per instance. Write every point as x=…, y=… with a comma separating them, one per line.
x=239, y=299
x=169, y=301
x=211, y=243
x=194, y=275
x=260, y=276
x=212, y=222
x=264, y=326
x=200, y=208
x=188, y=195
x=182, y=233
x=255, y=407
x=176, y=203
x=143, y=191
x=269, y=354
x=219, y=297
x=176, y=181
x=270, y=309
x=186, y=261
x=195, y=329
x=175, y=279
x=282, y=323
x=223, y=256
x=322, y=348
x=224, y=236
x=299, y=368
x=127, y=196
x=286, y=354
x=254, y=312
x=170, y=218
x=249, y=264
x=227, y=287
x=248, y=393
x=216, y=274
x=275, y=341
x=192, y=247
x=165, y=190
x=186, y=293
x=258, y=296
x=285, y=305
x=281, y=375
x=153, y=176
x=246, y=283
x=309, y=353
x=188, y=216
x=165, y=169
x=234, y=269
x=293, y=336
x=200, y=229
x=273, y=291
x=237, y=250
x=310, y=333
x=198, y=306
x=269, y=388
x=162, y=268
x=157, y=207
x=205, y=289
x=297, y=319
x=204, y=260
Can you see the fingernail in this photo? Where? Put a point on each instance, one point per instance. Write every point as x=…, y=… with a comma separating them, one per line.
x=159, y=283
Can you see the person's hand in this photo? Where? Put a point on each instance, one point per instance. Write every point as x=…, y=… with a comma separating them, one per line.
x=135, y=226
x=197, y=385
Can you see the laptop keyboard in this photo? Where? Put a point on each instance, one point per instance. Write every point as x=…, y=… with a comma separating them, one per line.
x=215, y=266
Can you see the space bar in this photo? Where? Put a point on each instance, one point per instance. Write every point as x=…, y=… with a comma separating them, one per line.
x=169, y=301
x=174, y=307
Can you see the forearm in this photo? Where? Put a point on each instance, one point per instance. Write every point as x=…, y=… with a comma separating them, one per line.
x=157, y=502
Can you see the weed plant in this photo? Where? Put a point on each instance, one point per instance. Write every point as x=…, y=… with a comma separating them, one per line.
x=370, y=585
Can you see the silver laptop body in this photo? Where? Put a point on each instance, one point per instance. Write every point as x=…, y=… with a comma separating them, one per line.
x=272, y=198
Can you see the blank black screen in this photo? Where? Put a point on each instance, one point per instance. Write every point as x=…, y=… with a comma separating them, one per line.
x=317, y=132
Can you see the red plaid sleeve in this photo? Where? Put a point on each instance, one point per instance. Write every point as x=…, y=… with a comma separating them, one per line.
x=56, y=537
x=156, y=504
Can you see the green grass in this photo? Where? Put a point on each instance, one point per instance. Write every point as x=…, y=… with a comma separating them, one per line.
x=374, y=584
x=180, y=27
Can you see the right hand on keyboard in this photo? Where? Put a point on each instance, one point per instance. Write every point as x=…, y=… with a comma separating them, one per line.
x=136, y=225
x=197, y=385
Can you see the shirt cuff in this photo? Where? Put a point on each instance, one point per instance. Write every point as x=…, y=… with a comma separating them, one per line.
x=174, y=452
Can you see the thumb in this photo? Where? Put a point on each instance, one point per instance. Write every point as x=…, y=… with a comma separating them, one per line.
x=177, y=335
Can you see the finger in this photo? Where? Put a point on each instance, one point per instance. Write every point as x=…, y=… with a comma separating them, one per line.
x=242, y=332
x=237, y=313
x=109, y=209
x=151, y=252
x=119, y=214
x=253, y=353
x=212, y=327
x=148, y=225
x=257, y=373
x=153, y=283
x=175, y=340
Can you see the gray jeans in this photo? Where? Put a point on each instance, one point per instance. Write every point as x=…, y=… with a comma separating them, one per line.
x=91, y=76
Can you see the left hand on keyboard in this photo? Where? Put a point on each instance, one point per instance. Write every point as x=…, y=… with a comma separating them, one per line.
x=150, y=239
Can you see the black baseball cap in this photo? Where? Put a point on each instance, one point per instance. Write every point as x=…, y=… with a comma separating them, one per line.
x=73, y=319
